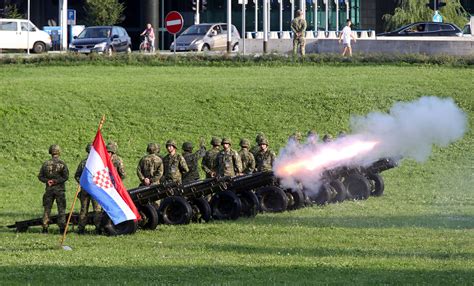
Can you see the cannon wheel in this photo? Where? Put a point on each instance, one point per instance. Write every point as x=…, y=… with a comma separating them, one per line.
x=201, y=210
x=225, y=205
x=126, y=227
x=272, y=199
x=341, y=191
x=377, y=184
x=175, y=210
x=323, y=196
x=249, y=202
x=358, y=187
x=296, y=199
x=149, y=217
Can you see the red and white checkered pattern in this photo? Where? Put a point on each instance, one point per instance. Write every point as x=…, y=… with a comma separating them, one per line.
x=102, y=179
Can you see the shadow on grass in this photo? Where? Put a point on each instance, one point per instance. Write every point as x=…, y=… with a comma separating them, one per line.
x=226, y=274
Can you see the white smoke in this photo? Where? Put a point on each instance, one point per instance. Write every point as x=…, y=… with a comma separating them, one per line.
x=408, y=130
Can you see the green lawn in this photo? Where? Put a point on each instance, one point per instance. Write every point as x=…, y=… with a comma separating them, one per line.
x=419, y=232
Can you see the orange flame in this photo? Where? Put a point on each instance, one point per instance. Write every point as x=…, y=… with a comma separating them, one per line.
x=327, y=156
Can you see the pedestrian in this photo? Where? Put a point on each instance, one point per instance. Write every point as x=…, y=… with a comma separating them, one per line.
x=149, y=34
x=345, y=35
x=112, y=148
x=174, y=164
x=54, y=173
x=265, y=157
x=209, y=161
x=150, y=167
x=228, y=161
x=86, y=199
x=248, y=160
x=192, y=160
x=298, y=26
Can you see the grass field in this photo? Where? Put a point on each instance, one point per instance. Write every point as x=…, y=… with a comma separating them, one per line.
x=420, y=232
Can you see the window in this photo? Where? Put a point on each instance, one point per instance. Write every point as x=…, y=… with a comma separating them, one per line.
x=447, y=28
x=115, y=31
x=8, y=26
x=433, y=27
x=24, y=27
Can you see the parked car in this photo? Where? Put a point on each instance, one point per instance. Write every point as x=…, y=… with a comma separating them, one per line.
x=206, y=37
x=425, y=29
x=468, y=30
x=14, y=35
x=102, y=39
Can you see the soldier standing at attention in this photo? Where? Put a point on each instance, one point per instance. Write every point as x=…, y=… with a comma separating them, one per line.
x=298, y=26
x=174, y=164
x=112, y=148
x=54, y=173
x=85, y=199
x=228, y=161
x=248, y=160
x=150, y=167
x=265, y=157
x=254, y=150
x=192, y=160
x=209, y=160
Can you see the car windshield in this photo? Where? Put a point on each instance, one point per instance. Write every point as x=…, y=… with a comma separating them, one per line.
x=94, y=33
x=197, y=30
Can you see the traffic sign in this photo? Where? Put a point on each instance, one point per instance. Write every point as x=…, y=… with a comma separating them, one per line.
x=174, y=22
x=71, y=17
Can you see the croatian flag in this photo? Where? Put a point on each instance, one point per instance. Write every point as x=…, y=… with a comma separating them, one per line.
x=102, y=182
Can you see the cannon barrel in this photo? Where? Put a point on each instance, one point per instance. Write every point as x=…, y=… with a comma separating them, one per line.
x=381, y=165
x=251, y=181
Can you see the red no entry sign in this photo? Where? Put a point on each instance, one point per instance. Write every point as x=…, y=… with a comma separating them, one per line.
x=174, y=22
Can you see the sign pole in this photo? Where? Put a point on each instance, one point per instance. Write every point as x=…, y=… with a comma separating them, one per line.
x=174, y=39
x=243, y=25
x=229, y=25
x=28, y=31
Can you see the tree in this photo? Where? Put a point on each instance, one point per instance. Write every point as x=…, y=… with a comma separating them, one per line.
x=104, y=12
x=12, y=12
x=410, y=11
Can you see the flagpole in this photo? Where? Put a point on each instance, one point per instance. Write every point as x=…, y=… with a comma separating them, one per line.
x=102, y=120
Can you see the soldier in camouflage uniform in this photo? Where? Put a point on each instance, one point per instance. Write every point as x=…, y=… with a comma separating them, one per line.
x=312, y=137
x=150, y=167
x=298, y=26
x=228, y=161
x=209, y=160
x=174, y=164
x=116, y=160
x=254, y=150
x=192, y=160
x=85, y=199
x=248, y=160
x=54, y=173
x=327, y=138
x=265, y=157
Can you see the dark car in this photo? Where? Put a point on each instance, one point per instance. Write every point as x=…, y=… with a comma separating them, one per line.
x=102, y=39
x=425, y=29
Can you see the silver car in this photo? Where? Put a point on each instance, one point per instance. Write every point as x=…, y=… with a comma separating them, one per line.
x=206, y=37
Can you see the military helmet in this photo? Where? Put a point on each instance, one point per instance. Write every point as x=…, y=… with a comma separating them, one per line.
x=244, y=142
x=341, y=134
x=311, y=132
x=88, y=147
x=54, y=149
x=188, y=146
x=226, y=141
x=263, y=141
x=215, y=141
x=327, y=138
x=171, y=143
x=153, y=148
x=112, y=147
x=259, y=137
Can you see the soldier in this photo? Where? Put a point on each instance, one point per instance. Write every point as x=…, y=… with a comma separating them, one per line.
x=228, y=161
x=298, y=26
x=254, y=150
x=174, y=164
x=116, y=160
x=296, y=138
x=209, y=160
x=248, y=160
x=192, y=160
x=54, y=173
x=150, y=167
x=312, y=137
x=265, y=157
x=327, y=138
x=85, y=199
x=341, y=134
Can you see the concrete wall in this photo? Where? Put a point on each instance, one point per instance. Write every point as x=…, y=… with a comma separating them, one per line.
x=456, y=47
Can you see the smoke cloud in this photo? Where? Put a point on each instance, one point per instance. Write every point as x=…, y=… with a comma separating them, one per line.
x=408, y=130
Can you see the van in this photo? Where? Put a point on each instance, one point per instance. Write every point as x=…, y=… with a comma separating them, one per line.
x=468, y=30
x=14, y=35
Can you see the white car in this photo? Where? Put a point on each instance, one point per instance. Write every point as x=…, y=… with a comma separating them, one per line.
x=14, y=35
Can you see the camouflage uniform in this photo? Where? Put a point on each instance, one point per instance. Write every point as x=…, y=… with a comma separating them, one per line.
x=150, y=166
x=54, y=169
x=209, y=161
x=264, y=159
x=254, y=150
x=228, y=162
x=116, y=160
x=192, y=160
x=85, y=199
x=174, y=166
x=298, y=25
x=248, y=160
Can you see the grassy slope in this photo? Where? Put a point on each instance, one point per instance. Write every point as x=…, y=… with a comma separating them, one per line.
x=421, y=231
